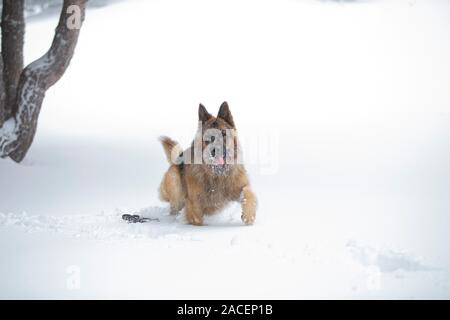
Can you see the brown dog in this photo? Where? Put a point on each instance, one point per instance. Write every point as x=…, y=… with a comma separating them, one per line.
x=209, y=174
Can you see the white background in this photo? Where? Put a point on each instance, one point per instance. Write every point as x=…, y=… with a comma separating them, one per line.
x=351, y=98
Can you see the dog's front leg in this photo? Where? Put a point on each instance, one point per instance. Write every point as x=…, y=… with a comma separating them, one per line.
x=194, y=214
x=248, y=202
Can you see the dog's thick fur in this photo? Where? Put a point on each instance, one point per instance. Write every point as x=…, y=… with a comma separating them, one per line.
x=196, y=186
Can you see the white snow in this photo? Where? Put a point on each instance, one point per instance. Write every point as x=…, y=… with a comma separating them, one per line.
x=8, y=127
x=7, y=134
x=343, y=110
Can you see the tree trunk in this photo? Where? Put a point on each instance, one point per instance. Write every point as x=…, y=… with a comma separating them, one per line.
x=2, y=94
x=13, y=33
x=38, y=77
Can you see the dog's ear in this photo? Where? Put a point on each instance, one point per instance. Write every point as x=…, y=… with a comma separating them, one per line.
x=225, y=113
x=203, y=114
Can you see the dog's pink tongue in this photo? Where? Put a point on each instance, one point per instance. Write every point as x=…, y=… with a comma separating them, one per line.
x=218, y=161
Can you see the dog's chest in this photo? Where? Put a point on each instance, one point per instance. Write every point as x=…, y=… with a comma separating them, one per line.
x=216, y=196
x=215, y=193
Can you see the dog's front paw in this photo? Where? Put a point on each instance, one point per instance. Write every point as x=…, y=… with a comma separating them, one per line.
x=248, y=217
x=194, y=220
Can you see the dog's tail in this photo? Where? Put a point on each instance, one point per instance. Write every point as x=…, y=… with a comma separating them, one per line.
x=172, y=149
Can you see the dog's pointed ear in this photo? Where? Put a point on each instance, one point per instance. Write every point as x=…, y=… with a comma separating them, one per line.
x=203, y=114
x=225, y=113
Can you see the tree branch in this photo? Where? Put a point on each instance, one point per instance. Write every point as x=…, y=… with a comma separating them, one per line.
x=13, y=34
x=39, y=76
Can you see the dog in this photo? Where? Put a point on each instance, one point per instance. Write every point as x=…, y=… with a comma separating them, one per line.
x=208, y=175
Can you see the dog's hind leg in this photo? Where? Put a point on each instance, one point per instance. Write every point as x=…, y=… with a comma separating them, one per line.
x=171, y=189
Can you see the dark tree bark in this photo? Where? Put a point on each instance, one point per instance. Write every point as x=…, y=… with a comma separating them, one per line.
x=13, y=34
x=37, y=78
x=2, y=95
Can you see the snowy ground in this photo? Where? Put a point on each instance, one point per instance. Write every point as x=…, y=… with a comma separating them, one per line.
x=344, y=112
